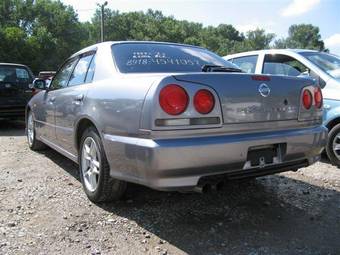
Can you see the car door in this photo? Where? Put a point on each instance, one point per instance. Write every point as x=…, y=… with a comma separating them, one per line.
x=69, y=102
x=46, y=114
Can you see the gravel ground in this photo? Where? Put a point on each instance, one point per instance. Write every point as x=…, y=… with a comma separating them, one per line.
x=44, y=211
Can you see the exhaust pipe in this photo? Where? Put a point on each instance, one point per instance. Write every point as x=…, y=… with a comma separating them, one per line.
x=217, y=186
x=207, y=187
x=202, y=188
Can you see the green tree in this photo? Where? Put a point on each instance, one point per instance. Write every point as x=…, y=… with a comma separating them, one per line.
x=39, y=33
x=303, y=36
x=43, y=33
x=258, y=39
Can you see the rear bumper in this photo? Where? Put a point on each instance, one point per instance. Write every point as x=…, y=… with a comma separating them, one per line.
x=179, y=164
x=12, y=111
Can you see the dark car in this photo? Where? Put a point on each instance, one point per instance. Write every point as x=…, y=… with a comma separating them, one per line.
x=15, y=89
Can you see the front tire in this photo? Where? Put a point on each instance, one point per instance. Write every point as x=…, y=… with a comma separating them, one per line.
x=98, y=185
x=333, y=145
x=33, y=143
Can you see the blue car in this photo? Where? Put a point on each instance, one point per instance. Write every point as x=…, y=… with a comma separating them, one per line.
x=323, y=67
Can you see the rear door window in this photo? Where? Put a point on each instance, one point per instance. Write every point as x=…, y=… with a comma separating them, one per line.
x=90, y=72
x=246, y=64
x=79, y=73
x=62, y=77
x=279, y=64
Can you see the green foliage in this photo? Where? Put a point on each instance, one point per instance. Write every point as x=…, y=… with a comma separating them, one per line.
x=43, y=33
x=302, y=36
x=39, y=33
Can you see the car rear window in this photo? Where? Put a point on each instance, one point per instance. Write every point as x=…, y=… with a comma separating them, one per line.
x=14, y=74
x=159, y=58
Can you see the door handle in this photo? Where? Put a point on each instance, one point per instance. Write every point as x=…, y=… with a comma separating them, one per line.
x=78, y=99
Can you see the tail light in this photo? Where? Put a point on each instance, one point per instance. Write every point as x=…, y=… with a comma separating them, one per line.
x=260, y=78
x=204, y=101
x=307, y=99
x=318, y=98
x=173, y=99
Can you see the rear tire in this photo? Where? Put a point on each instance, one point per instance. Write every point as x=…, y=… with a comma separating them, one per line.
x=94, y=169
x=333, y=145
x=33, y=143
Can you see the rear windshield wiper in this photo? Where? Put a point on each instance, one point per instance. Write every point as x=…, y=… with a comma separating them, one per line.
x=216, y=68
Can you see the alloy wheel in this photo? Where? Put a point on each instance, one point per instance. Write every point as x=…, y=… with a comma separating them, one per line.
x=336, y=146
x=30, y=129
x=90, y=164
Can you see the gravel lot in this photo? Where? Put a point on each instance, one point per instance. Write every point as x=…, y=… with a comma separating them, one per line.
x=44, y=211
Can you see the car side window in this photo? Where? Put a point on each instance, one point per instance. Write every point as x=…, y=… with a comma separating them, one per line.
x=246, y=64
x=14, y=74
x=91, y=70
x=22, y=75
x=61, y=78
x=79, y=73
x=279, y=64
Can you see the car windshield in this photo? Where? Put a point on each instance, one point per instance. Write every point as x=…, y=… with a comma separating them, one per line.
x=163, y=58
x=327, y=62
x=13, y=74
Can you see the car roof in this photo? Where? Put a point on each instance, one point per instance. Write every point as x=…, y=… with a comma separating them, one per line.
x=271, y=51
x=12, y=64
x=95, y=46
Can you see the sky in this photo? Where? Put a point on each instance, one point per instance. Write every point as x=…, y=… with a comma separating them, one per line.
x=274, y=16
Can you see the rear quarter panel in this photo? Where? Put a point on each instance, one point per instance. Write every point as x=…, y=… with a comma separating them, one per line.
x=115, y=104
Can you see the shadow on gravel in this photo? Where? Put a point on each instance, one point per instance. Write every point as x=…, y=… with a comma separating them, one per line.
x=269, y=215
x=12, y=127
x=68, y=165
x=324, y=159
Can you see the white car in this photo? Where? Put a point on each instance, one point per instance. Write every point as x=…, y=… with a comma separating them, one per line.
x=322, y=66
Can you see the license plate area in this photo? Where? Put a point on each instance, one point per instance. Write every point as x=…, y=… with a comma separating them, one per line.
x=264, y=155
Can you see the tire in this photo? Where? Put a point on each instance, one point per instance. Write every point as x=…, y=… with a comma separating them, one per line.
x=94, y=170
x=334, y=139
x=33, y=143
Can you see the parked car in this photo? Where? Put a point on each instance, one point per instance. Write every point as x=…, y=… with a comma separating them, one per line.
x=46, y=74
x=173, y=117
x=323, y=67
x=15, y=89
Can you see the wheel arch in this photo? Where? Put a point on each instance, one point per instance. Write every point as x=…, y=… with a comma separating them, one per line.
x=80, y=127
x=332, y=123
x=27, y=110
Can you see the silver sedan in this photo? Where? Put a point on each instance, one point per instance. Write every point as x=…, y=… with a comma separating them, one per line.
x=172, y=117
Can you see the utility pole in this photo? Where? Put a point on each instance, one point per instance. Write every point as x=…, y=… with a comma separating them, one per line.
x=102, y=20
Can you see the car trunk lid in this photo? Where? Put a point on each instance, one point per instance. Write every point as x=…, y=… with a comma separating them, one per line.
x=251, y=98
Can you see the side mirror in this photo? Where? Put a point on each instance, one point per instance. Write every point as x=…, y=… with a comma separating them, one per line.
x=39, y=84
